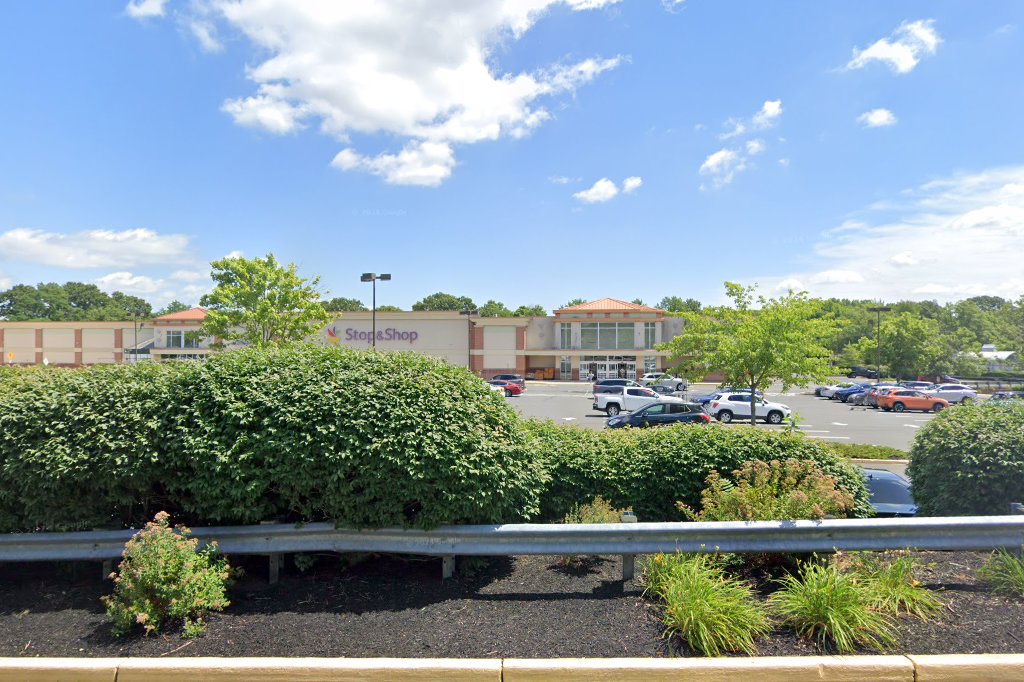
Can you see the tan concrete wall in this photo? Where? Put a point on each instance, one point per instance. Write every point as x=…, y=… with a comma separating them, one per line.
x=58, y=339
x=542, y=332
x=21, y=342
x=98, y=339
x=446, y=339
x=97, y=357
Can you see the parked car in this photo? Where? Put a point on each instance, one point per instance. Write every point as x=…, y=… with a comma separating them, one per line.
x=829, y=391
x=903, y=399
x=662, y=379
x=856, y=371
x=663, y=389
x=917, y=385
x=890, y=493
x=508, y=387
x=727, y=406
x=705, y=399
x=626, y=399
x=953, y=393
x=496, y=389
x=871, y=395
x=514, y=378
x=661, y=413
x=844, y=394
x=1008, y=395
x=602, y=385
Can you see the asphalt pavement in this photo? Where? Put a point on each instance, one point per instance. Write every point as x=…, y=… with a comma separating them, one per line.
x=828, y=420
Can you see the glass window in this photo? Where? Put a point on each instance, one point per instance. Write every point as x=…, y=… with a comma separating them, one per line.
x=566, y=335
x=588, y=336
x=648, y=335
x=650, y=364
x=606, y=336
x=565, y=363
x=680, y=409
x=625, y=335
x=175, y=340
x=655, y=409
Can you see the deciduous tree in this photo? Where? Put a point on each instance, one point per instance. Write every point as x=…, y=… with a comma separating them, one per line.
x=443, y=301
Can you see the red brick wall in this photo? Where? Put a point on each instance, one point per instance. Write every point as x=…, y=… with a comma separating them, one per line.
x=118, y=346
x=39, y=344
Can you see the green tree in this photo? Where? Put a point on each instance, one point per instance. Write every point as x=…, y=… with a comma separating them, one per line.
x=494, y=309
x=339, y=304
x=638, y=301
x=388, y=309
x=530, y=311
x=783, y=339
x=22, y=303
x=172, y=307
x=674, y=304
x=443, y=301
x=260, y=302
x=575, y=301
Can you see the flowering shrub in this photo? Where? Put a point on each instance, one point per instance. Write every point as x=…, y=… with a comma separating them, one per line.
x=771, y=491
x=163, y=579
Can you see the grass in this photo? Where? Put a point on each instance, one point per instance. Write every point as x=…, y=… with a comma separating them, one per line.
x=1004, y=573
x=895, y=588
x=597, y=511
x=833, y=608
x=861, y=451
x=710, y=611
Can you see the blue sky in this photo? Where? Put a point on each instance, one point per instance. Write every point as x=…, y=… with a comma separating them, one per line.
x=528, y=152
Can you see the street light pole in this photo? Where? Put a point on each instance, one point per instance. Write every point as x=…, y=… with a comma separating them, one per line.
x=373, y=277
x=878, y=337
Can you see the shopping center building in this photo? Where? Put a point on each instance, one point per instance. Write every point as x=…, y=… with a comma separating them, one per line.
x=608, y=337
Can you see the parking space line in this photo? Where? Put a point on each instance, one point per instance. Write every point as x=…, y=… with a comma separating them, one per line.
x=913, y=426
x=832, y=437
x=814, y=431
x=839, y=424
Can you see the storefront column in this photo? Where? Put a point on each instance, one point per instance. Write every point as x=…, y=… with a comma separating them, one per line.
x=639, y=366
x=575, y=360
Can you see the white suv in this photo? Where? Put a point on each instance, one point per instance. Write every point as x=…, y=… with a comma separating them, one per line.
x=663, y=379
x=953, y=393
x=726, y=406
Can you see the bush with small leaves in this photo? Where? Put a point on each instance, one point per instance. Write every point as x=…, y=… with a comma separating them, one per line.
x=596, y=511
x=163, y=579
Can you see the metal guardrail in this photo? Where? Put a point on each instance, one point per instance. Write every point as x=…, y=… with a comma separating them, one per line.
x=937, y=533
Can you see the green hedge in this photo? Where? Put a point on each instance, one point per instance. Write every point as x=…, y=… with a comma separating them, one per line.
x=970, y=460
x=301, y=433
x=651, y=469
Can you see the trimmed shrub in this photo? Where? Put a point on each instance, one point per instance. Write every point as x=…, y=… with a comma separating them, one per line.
x=862, y=451
x=164, y=579
x=651, y=469
x=969, y=460
x=298, y=433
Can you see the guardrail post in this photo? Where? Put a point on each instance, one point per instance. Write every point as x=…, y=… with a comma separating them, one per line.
x=447, y=566
x=276, y=561
x=628, y=560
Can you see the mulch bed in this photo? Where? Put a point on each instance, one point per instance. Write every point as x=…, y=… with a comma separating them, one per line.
x=386, y=606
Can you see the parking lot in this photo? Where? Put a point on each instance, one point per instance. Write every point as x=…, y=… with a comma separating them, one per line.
x=829, y=420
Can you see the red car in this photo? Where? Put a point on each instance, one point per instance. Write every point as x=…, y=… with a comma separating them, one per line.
x=510, y=388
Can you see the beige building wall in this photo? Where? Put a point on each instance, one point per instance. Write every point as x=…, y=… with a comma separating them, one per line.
x=21, y=342
x=500, y=347
x=97, y=339
x=542, y=332
x=445, y=336
x=97, y=357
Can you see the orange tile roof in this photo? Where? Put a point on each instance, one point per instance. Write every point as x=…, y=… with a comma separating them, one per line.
x=190, y=315
x=610, y=305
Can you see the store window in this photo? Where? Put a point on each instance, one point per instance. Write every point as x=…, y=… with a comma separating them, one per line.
x=649, y=337
x=606, y=335
x=566, y=335
x=181, y=339
x=650, y=364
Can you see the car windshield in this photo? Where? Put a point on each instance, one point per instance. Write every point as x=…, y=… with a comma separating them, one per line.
x=888, y=491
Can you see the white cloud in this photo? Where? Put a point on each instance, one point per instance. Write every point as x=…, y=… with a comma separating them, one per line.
x=784, y=163
x=562, y=180
x=187, y=275
x=631, y=184
x=722, y=166
x=138, y=285
x=790, y=283
x=235, y=254
x=734, y=128
x=947, y=239
x=602, y=190
x=908, y=44
x=877, y=118
x=755, y=147
x=425, y=74
x=93, y=248
x=5, y=282
x=769, y=115
x=427, y=164
x=145, y=9
x=158, y=291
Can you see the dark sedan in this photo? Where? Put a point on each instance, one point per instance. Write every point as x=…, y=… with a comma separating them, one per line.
x=890, y=493
x=659, y=414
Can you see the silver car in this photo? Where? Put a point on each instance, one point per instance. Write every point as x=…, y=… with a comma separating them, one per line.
x=953, y=393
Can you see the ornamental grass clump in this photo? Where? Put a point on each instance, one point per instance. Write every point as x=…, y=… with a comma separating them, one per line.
x=164, y=580
x=712, y=612
x=1004, y=573
x=895, y=588
x=833, y=608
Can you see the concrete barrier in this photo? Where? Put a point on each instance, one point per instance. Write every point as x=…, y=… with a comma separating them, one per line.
x=969, y=668
x=309, y=669
x=59, y=669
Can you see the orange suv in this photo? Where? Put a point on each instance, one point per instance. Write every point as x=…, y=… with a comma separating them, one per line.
x=908, y=399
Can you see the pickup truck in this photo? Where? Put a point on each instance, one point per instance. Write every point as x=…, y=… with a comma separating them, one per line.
x=626, y=399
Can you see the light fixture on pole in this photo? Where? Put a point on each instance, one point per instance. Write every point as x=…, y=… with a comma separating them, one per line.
x=469, y=336
x=373, y=277
x=878, y=310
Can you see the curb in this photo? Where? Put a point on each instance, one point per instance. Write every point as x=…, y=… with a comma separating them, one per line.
x=909, y=668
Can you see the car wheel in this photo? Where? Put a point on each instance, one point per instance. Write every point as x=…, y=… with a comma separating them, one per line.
x=898, y=407
x=680, y=387
x=774, y=417
x=508, y=393
x=725, y=416
x=938, y=407
x=966, y=401
x=613, y=410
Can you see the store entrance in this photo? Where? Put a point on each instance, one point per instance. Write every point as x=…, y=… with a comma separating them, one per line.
x=608, y=366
